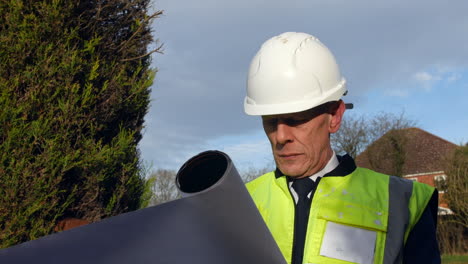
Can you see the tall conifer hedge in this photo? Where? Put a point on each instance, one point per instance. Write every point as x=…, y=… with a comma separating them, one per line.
x=74, y=89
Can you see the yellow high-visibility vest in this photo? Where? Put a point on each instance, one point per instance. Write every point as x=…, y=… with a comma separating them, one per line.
x=360, y=202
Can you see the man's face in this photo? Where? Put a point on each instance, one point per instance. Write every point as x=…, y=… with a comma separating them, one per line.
x=300, y=141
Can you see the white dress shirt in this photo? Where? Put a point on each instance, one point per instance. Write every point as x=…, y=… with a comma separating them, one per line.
x=331, y=165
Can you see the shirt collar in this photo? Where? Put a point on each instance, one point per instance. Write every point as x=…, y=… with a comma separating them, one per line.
x=331, y=165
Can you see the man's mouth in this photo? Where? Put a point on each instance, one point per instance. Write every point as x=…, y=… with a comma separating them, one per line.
x=288, y=155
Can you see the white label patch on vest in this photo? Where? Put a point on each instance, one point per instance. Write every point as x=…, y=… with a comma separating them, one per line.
x=348, y=243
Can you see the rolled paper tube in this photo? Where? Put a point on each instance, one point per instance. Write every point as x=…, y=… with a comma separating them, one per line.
x=216, y=221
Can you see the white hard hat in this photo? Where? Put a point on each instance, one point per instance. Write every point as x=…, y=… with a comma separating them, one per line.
x=291, y=73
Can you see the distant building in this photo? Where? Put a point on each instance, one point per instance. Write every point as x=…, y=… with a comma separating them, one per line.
x=411, y=153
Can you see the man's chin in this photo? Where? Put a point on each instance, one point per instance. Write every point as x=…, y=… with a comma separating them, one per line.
x=291, y=171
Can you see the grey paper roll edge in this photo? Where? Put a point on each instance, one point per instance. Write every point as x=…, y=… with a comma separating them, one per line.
x=204, y=172
x=213, y=186
x=215, y=222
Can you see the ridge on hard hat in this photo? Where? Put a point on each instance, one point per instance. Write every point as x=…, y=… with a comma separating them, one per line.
x=290, y=73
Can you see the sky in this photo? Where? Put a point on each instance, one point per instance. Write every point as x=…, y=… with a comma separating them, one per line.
x=397, y=56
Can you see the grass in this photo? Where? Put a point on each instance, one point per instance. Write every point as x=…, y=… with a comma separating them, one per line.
x=455, y=259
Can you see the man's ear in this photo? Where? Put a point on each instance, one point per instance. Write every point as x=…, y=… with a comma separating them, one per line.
x=336, y=117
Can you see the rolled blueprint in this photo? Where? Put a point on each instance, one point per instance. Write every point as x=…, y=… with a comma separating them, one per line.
x=216, y=221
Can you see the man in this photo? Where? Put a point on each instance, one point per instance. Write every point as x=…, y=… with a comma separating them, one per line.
x=320, y=207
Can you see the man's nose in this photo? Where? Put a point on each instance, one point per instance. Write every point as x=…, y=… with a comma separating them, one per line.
x=283, y=133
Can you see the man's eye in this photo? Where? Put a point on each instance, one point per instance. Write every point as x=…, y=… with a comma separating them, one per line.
x=295, y=122
x=270, y=122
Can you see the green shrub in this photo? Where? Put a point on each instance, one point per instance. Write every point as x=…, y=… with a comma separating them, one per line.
x=74, y=90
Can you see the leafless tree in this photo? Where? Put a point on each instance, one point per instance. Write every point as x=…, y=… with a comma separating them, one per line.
x=357, y=132
x=253, y=172
x=164, y=187
x=383, y=122
x=352, y=137
x=452, y=229
x=457, y=184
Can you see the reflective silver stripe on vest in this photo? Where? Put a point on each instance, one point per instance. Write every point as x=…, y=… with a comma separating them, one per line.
x=399, y=193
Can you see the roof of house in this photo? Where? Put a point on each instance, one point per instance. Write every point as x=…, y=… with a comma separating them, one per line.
x=420, y=152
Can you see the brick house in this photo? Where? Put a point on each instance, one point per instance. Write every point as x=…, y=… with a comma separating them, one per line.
x=411, y=153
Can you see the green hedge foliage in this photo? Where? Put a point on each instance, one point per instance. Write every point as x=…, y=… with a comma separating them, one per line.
x=74, y=90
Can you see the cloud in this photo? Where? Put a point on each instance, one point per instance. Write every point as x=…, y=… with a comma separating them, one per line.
x=436, y=76
x=424, y=77
x=426, y=80
x=433, y=77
